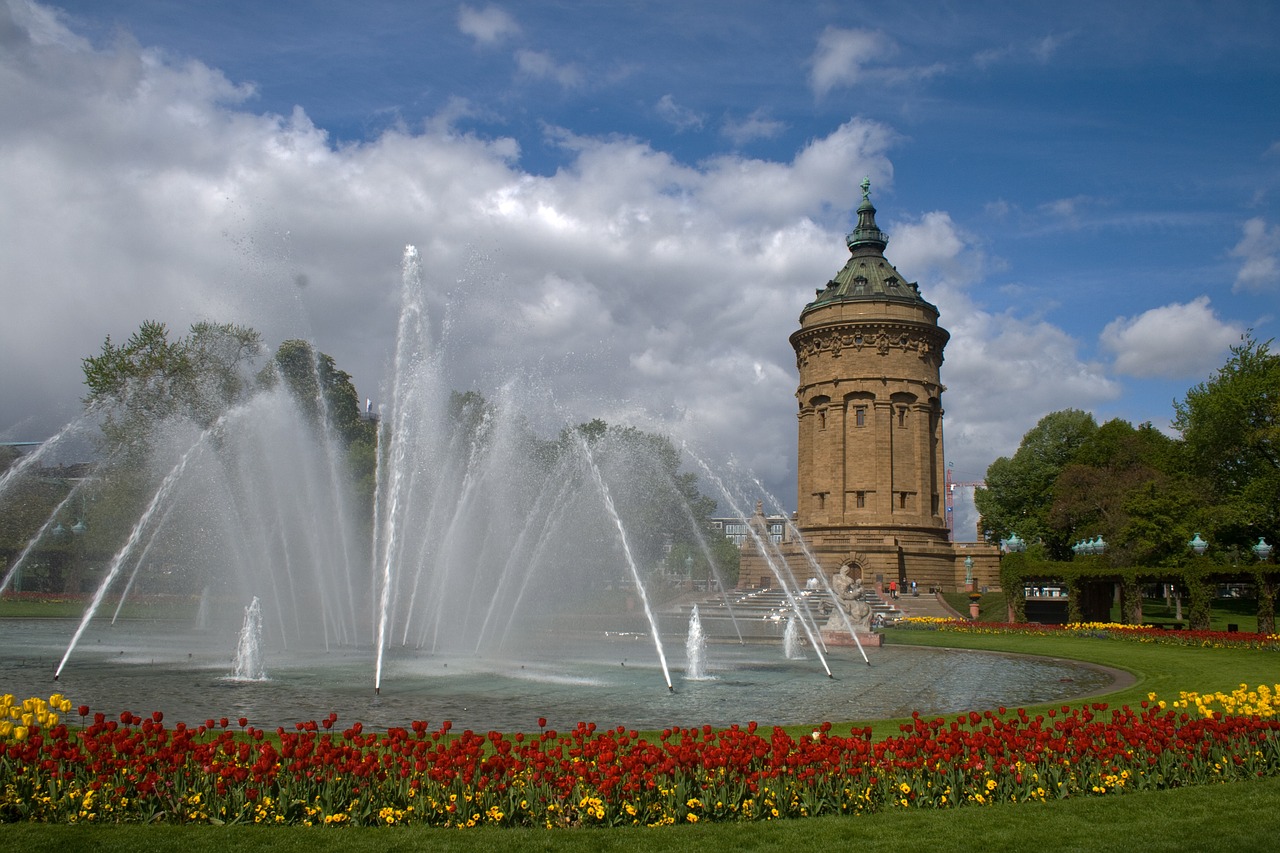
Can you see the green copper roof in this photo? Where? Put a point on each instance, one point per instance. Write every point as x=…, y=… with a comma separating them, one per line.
x=867, y=275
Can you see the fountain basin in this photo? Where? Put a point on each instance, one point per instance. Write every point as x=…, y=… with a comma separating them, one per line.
x=615, y=680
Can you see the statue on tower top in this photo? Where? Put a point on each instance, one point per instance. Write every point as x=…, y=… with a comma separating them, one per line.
x=866, y=189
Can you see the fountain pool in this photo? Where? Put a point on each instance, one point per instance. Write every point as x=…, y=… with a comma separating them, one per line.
x=614, y=680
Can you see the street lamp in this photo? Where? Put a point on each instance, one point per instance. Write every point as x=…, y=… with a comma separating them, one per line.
x=1089, y=547
x=968, y=572
x=1198, y=547
x=1013, y=545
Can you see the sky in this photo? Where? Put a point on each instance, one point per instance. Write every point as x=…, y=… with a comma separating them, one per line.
x=626, y=205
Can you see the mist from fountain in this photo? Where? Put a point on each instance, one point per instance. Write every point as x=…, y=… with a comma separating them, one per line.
x=46, y=448
x=123, y=554
x=825, y=581
x=787, y=581
x=631, y=562
x=484, y=535
x=35, y=540
x=483, y=539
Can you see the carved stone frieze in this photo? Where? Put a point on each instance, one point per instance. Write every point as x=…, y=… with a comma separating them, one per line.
x=881, y=337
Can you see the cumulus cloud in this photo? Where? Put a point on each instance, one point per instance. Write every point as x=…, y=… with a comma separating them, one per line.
x=641, y=289
x=1173, y=341
x=842, y=55
x=1259, y=254
x=488, y=26
x=935, y=246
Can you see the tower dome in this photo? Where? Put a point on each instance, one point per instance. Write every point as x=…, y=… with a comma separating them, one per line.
x=871, y=471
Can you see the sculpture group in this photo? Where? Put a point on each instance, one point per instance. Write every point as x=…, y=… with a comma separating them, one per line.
x=854, y=612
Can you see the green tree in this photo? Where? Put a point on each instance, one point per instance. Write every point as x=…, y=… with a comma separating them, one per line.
x=1130, y=487
x=318, y=387
x=150, y=379
x=1231, y=427
x=1019, y=491
x=662, y=507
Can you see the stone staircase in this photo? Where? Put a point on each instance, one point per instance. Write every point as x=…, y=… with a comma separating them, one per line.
x=925, y=604
x=763, y=613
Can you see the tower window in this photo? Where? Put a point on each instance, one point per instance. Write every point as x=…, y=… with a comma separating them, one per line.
x=860, y=499
x=902, y=500
x=822, y=419
x=860, y=416
x=902, y=416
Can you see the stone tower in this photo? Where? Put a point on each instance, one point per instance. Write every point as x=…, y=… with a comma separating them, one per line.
x=871, y=471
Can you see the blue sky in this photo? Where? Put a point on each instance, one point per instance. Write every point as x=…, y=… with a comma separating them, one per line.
x=647, y=191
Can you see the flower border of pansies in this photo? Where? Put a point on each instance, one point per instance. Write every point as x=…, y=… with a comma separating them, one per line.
x=133, y=769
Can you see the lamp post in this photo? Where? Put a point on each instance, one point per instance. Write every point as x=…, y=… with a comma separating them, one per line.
x=1013, y=545
x=1015, y=611
x=1198, y=546
x=968, y=573
x=76, y=531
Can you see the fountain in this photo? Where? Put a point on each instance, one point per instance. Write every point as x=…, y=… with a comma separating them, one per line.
x=695, y=649
x=249, y=664
x=496, y=576
x=791, y=648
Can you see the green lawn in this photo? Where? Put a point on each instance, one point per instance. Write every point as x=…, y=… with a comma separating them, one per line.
x=1237, y=817
x=73, y=607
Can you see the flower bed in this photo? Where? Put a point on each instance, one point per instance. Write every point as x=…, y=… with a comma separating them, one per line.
x=136, y=769
x=1101, y=630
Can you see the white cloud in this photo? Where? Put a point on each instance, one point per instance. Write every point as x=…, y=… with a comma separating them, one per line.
x=753, y=127
x=935, y=246
x=1259, y=252
x=640, y=289
x=1173, y=341
x=1044, y=49
x=488, y=26
x=1003, y=372
x=1041, y=51
x=841, y=56
x=681, y=118
x=540, y=65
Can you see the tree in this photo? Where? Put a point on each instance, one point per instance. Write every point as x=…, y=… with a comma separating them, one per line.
x=150, y=379
x=318, y=387
x=1019, y=491
x=1231, y=427
x=1130, y=487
